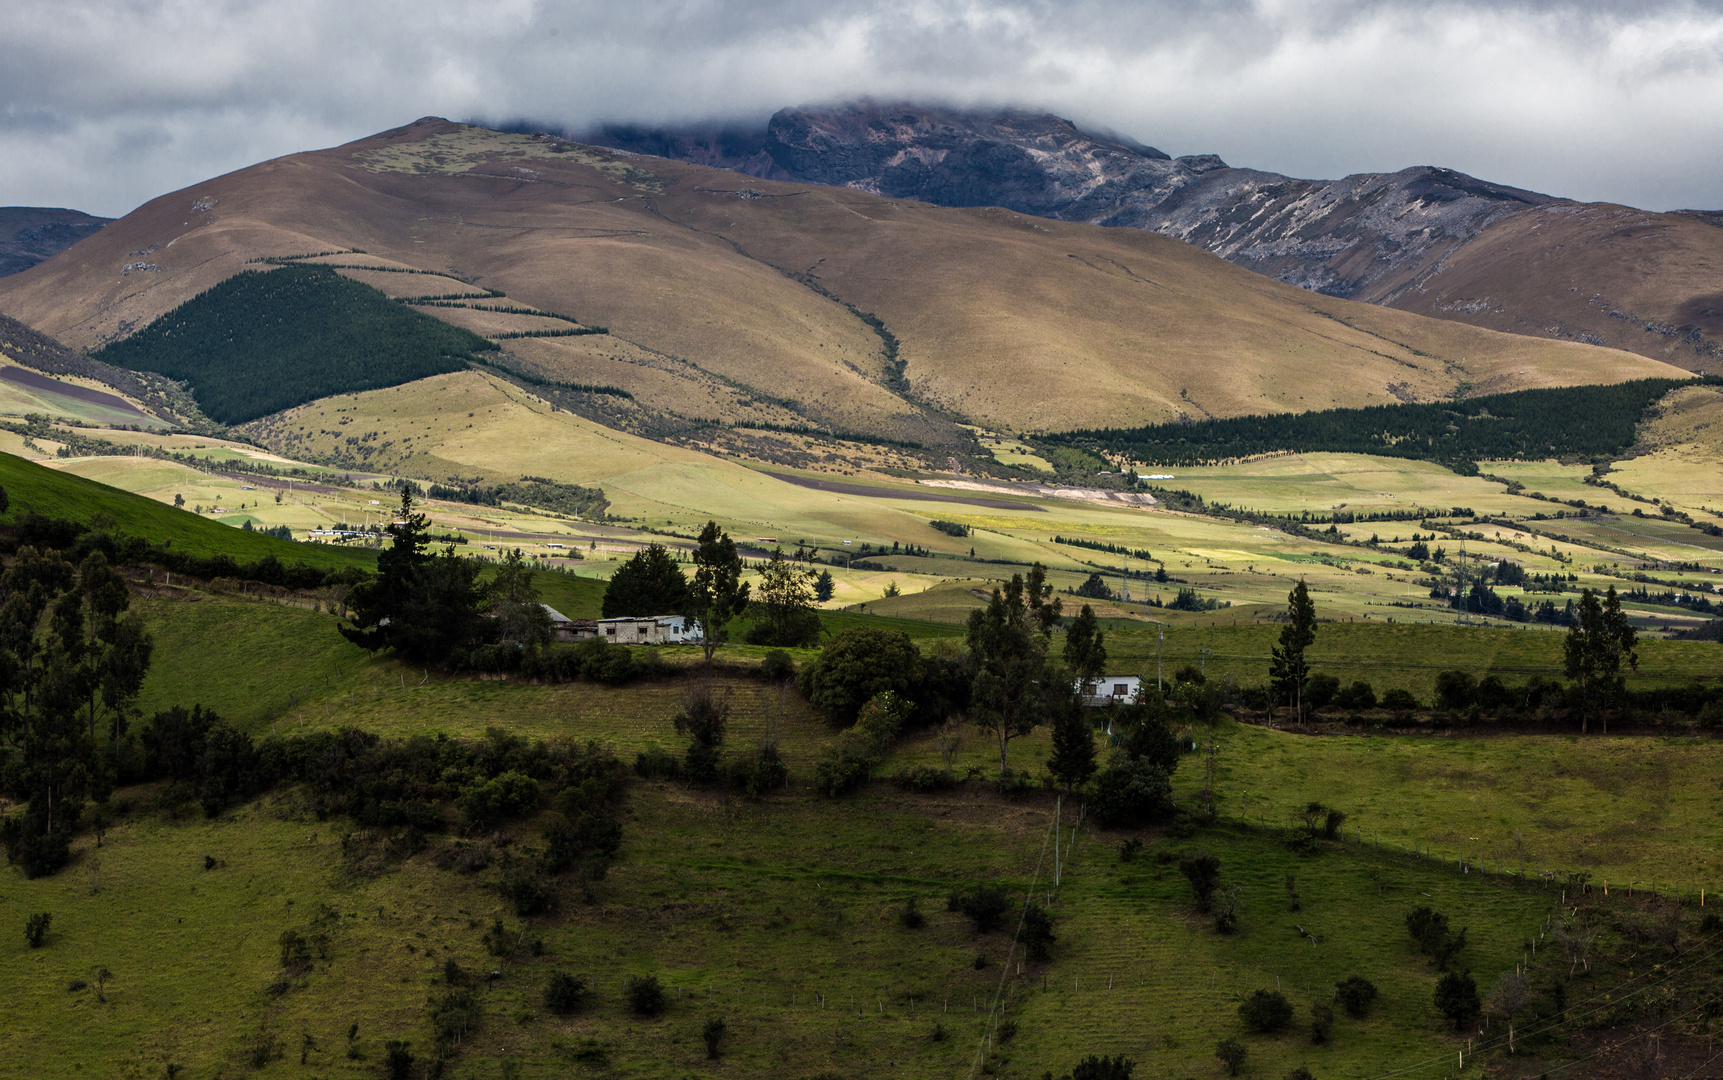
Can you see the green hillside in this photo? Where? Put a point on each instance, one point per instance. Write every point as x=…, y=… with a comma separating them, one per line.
x=261, y=342
x=51, y=493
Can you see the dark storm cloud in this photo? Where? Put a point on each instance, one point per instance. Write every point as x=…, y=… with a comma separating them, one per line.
x=103, y=105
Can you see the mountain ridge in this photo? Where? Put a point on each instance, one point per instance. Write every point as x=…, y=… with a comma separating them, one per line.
x=1382, y=238
x=736, y=308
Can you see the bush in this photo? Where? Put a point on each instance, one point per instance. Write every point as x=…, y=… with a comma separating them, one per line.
x=713, y=1033
x=1266, y=1012
x=1036, y=933
x=1399, y=701
x=1429, y=928
x=644, y=995
x=36, y=928
x=925, y=778
x=1356, y=994
x=1103, y=1068
x=508, y=795
x=984, y=905
x=1203, y=872
x=1231, y=1053
x=1355, y=697
x=849, y=761
x=1455, y=691
x=1457, y=998
x=911, y=916
x=657, y=763
x=1130, y=793
x=858, y=665
x=1321, y=1023
x=563, y=993
x=1300, y=1073
x=398, y=1059
x=776, y=666
x=1321, y=691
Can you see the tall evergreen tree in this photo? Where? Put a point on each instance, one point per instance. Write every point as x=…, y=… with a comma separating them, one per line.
x=521, y=619
x=718, y=593
x=1287, y=669
x=1598, y=643
x=785, y=605
x=1085, y=646
x=1073, y=760
x=1008, y=645
x=424, y=607
x=649, y=583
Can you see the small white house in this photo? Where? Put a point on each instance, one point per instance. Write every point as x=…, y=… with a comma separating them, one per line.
x=650, y=630
x=1109, y=690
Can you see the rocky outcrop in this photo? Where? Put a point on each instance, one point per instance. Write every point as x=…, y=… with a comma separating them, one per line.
x=1363, y=237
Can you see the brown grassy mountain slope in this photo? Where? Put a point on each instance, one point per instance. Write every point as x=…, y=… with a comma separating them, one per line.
x=736, y=299
x=1610, y=275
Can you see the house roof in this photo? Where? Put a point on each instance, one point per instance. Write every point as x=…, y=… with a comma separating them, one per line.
x=555, y=615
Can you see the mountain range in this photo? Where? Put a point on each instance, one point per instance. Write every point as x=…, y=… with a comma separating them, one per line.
x=1423, y=239
x=714, y=304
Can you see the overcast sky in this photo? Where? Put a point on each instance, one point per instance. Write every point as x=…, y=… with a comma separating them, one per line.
x=104, y=105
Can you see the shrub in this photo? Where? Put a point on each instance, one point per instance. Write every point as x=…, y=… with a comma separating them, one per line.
x=849, y=761
x=563, y=993
x=776, y=666
x=1300, y=1073
x=1266, y=1012
x=1429, y=928
x=1321, y=691
x=856, y=666
x=1231, y=1053
x=1457, y=998
x=1331, y=822
x=1103, y=1068
x=1036, y=933
x=508, y=795
x=1321, y=1023
x=712, y=1033
x=1399, y=700
x=704, y=717
x=657, y=763
x=529, y=891
x=1355, y=697
x=1455, y=691
x=1356, y=994
x=36, y=928
x=398, y=1059
x=1128, y=849
x=644, y=995
x=1493, y=694
x=1203, y=872
x=1130, y=793
x=984, y=905
x=295, y=951
x=498, y=941
x=925, y=778
x=911, y=916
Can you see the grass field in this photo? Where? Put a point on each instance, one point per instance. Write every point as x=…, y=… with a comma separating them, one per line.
x=780, y=917
x=55, y=494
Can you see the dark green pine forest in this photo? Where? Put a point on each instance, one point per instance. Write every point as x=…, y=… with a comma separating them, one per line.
x=261, y=342
x=1592, y=422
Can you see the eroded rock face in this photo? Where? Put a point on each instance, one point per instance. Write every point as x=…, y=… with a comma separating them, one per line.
x=1365, y=236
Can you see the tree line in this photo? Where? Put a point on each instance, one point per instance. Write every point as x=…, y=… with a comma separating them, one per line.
x=1592, y=422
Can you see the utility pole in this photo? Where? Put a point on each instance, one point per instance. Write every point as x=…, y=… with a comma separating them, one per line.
x=1203, y=652
x=1160, y=640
